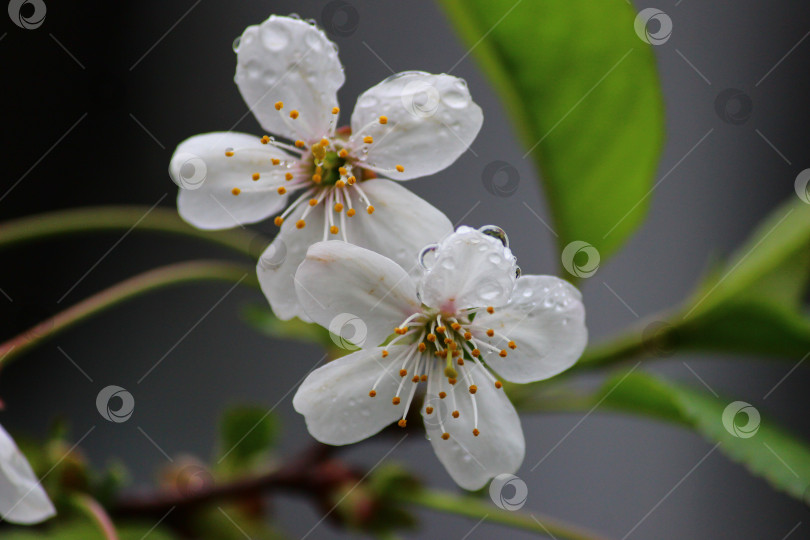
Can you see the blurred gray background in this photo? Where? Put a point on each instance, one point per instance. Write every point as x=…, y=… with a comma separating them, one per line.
x=611, y=471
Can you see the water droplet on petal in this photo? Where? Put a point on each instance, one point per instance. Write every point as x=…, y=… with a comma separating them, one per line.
x=428, y=256
x=274, y=35
x=495, y=232
x=455, y=99
x=517, y=275
x=236, y=43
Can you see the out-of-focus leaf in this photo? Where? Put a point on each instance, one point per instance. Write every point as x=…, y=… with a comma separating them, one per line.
x=247, y=434
x=262, y=319
x=583, y=93
x=80, y=530
x=764, y=448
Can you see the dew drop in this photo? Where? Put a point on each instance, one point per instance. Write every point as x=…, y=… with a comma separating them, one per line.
x=518, y=272
x=274, y=36
x=236, y=43
x=455, y=99
x=427, y=257
x=495, y=232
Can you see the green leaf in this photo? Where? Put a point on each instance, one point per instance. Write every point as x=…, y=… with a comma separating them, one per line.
x=583, y=93
x=246, y=435
x=767, y=451
x=81, y=530
x=262, y=319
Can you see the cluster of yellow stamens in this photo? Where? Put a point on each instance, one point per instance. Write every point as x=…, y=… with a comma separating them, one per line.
x=323, y=169
x=455, y=340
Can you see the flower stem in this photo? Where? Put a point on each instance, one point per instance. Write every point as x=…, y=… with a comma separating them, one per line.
x=475, y=508
x=173, y=274
x=122, y=218
x=92, y=509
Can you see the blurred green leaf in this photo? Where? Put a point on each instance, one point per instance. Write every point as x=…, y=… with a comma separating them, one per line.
x=80, y=530
x=263, y=320
x=764, y=448
x=583, y=93
x=247, y=434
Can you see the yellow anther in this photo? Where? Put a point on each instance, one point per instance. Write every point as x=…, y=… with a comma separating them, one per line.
x=442, y=395
x=445, y=436
x=293, y=114
x=452, y=381
x=255, y=176
x=441, y=329
x=402, y=423
x=279, y=105
x=372, y=393
x=512, y=345
x=423, y=378
x=395, y=401
x=473, y=389
x=265, y=139
x=338, y=207
x=415, y=379
x=502, y=354
x=316, y=178
x=300, y=224
x=324, y=142
x=368, y=139
x=490, y=310
x=351, y=212
x=456, y=414
x=460, y=361
x=403, y=372
x=370, y=209
x=342, y=171
x=498, y=384
x=276, y=161
x=281, y=190
x=333, y=229
x=467, y=336
x=400, y=168
x=490, y=332
x=300, y=144
x=343, y=153
x=448, y=340
x=229, y=153
x=351, y=180
x=313, y=202
x=384, y=354
x=278, y=221
x=236, y=191
x=422, y=347
x=383, y=119
x=455, y=326
x=442, y=354
x=335, y=110
x=476, y=432
x=431, y=337
x=428, y=410
x=319, y=152
x=288, y=176
x=340, y=184
x=475, y=352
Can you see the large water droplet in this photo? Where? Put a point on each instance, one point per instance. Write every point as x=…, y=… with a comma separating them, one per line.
x=456, y=99
x=236, y=43
x=274, y=36
x=495, y=232
x=427, y=257
x=313, y=41
x=518, y=272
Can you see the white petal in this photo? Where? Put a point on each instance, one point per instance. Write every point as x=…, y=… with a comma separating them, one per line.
x=401, y=225
x=289, y=60
x=499, y=448
x=22, y=499
x=207, y=176
x=468, y=269
x=432, y=120
x=335, y=399
x=277, y=265
x=342, y=284
x=546, y=320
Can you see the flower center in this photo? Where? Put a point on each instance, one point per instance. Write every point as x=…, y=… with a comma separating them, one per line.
x=437, y=348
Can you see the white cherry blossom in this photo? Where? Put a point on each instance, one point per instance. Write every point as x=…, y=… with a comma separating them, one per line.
x=22, y=499
x=322, y=184
x=466, y=321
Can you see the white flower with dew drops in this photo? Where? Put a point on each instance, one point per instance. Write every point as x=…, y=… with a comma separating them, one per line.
x=467, y=318
x=22, y=499
x=410, y=125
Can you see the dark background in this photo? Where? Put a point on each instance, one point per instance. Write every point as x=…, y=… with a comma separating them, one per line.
x=119, y=92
